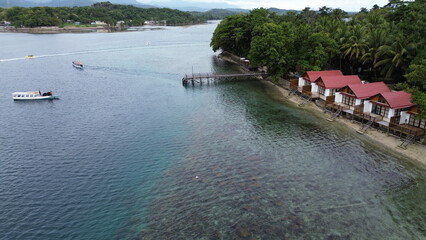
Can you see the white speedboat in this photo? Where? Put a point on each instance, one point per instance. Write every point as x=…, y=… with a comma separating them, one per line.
x=77, y=64
x=33, y=95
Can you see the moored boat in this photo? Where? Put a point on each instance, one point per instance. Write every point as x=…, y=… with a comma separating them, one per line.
x=33, y=95
x=77, y=64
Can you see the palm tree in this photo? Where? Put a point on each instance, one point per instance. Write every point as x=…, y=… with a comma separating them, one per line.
x=375, y=39
x=394, y=56
x=354, y=45
x=328, y=25
x=374, y=20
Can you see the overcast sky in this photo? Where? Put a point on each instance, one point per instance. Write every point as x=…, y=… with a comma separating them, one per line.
x=347, y=5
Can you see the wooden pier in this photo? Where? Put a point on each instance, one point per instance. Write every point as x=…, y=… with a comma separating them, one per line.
x=198, y=78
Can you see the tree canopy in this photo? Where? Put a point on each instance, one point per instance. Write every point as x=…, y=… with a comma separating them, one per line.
x=102, y=11
x=381, y=44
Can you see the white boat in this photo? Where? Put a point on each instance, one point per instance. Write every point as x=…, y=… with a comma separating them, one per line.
x=77, y=64
x=33, y=95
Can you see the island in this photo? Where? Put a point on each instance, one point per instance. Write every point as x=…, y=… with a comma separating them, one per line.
x=102, y=15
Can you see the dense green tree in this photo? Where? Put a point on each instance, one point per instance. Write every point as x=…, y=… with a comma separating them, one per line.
x=338, y=14
x=377, y=43
x=323, y=50
x=416, y=76
x=103, y=11
x=308, y=16
x=272, y=46
x=234, y=33
x=363, y=10
x=419, y=98
x=324, y=11
x=229, y=35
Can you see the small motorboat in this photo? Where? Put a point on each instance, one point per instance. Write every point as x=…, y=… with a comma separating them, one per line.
x=29, y=56
x=34, y=95
x=77, y=64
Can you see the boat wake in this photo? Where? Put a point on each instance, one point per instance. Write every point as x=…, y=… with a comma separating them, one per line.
x=11, y=59
x=148, y=46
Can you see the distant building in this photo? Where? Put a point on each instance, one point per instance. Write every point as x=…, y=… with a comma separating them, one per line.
x=152, y=22
x=149, y=23
x=98, y=23
x=5, y=23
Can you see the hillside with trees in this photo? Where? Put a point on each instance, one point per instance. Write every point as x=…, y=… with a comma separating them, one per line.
x=104, y=11
x=216, y=14
x=381, y=44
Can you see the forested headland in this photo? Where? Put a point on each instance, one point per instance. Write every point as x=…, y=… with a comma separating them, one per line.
x=104, y=11
x=381, y=44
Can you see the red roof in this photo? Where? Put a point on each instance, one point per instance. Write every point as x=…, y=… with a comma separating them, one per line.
x=333, y=82
x=397, y=100
x=363, y=91
x=314, y=75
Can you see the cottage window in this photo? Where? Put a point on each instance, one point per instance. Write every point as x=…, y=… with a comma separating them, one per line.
x=417, y=123
x=348, y=100
x=321, y=90
x=397, y=112
x=332, y=92
x=380, y=110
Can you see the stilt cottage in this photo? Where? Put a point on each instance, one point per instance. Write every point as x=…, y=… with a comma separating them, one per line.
x=307, y=83
x=354, y=94
x=327, y=86
x=388, y=104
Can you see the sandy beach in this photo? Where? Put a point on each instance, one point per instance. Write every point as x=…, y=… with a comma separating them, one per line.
x=415, y=153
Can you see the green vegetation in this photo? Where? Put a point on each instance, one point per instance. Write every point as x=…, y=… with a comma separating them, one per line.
x=215, y=14
x=104, y=11
x=381, y=44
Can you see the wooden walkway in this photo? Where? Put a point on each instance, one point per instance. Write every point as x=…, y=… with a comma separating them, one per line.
x=193, y=78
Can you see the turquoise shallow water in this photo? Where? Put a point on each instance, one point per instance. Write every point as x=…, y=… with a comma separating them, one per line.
x=129, y=153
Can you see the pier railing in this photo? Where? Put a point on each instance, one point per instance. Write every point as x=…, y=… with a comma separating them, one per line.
x=198, y=78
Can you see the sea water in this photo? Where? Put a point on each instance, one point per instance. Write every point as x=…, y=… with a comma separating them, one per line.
x=129, y=153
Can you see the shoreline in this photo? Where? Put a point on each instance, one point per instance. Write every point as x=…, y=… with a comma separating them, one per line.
x=415, y=153
x=93, y=29
x=61, y=30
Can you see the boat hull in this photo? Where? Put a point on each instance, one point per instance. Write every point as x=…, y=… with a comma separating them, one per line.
x=35, y=98
x=33, y=95
x=78, y=65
